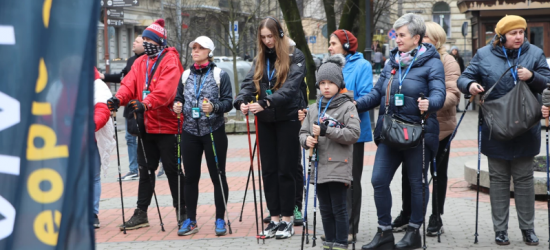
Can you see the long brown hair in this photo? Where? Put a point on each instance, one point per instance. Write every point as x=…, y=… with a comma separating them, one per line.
x=282, y=49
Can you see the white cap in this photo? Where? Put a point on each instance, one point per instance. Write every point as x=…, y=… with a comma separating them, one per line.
x=205, y=42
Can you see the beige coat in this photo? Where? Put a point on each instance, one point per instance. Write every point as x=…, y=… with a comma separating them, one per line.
x=447, y=115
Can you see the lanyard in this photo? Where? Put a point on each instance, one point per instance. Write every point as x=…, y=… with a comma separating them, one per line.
x=197, y=94
x=515, y=69
x=147, y=70
x=270, y=75
x=324, y=111
x=406, y=72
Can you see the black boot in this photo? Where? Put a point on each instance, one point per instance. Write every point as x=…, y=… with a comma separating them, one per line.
x=383, y=240
x=529, y=237
x=435, y=226
x=401, y=222
x=139, y=219
x=501, y=238
x=411, y=240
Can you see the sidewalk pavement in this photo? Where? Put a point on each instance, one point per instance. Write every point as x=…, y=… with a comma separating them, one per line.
x=459, y=217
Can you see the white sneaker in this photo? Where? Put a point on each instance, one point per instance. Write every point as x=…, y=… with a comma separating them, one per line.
x=271, y=229
x=285, y=231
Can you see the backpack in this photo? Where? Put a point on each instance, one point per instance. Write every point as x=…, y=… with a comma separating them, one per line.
x=217, y=77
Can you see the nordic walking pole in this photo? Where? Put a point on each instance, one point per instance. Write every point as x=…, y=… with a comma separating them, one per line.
x=305, y=229
x=250, y=172
x=548, y=179
x=253, y=183
x=478, y=170
x=316, y=159
x=259, y=173
x=423, y=119
x=353, y=238
x=219, y=172
x=180, y=172
x=436, y=199
x=149, y=171
x=120, y=176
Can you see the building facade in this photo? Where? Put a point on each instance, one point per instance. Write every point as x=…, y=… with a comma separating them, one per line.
x=484, y=15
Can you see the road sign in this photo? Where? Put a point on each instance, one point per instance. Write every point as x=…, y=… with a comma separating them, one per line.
x=324, y=31
x=234, y=27
x=119, y=3
x=312, y=39
x=392, y=34
x=115, y=13
x=115, y=22
x=465, y=29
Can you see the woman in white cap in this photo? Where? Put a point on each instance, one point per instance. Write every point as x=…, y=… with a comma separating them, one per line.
x=204, y=95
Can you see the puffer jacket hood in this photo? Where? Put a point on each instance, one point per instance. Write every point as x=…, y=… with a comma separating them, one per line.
x=335, y=149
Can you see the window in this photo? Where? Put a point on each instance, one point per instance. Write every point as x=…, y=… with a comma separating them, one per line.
x=441, y=14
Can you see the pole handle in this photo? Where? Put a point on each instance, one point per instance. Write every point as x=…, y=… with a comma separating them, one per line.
x=204, y=101
x=546, y=120
x=422, y=97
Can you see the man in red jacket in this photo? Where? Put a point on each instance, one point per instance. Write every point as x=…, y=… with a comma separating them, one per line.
x=149, y=89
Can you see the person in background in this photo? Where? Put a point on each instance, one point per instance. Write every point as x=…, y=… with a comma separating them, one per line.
x=456, y=54
x=137, y=48
x=378, y=59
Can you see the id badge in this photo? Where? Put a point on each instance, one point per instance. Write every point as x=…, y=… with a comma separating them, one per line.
x=399, y=100
x=268, y=92
x=195, y=113
x=145, y=93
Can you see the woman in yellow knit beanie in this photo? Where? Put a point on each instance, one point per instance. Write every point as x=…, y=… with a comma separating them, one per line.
x=512, y=158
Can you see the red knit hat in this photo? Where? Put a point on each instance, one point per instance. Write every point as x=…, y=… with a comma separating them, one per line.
x=156, y=32
x=341, y=34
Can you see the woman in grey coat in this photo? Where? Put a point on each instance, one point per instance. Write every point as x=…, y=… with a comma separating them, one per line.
x=513, y=158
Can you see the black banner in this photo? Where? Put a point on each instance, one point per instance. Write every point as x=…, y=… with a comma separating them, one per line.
x=46, y=123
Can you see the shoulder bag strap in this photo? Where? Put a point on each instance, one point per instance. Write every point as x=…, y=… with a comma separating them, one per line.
x=484, y=96
x=155, y=70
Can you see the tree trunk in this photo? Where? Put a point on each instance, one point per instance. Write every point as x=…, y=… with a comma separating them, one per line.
x=293, y=21
x=350, y=12
x=361, y=34
x=331, y=16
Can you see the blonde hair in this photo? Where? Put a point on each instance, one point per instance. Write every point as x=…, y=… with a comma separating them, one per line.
x=282, y=49
x=438, y=35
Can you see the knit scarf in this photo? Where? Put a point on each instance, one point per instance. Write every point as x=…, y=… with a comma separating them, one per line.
x=406, y=58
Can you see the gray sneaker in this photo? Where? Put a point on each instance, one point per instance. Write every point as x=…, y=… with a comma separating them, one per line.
x=130, y=176
x=327, y=245
x=338, y=246
x=96, y=221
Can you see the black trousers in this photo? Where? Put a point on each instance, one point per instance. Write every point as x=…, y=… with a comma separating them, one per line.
x=157, y=147
x=279, y=152
x=442, y=178
x=332, y=204
x=192, y=150
x=354, y=198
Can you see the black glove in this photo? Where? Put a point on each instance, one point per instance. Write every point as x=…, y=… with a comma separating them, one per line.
x=546, y=97
x=113, y=104
x=137, y=105
x=324, y=126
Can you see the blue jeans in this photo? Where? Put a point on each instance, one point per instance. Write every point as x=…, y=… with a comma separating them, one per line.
x=332, y=204
x=132, y=152
x=386, y=162
x=97, y=183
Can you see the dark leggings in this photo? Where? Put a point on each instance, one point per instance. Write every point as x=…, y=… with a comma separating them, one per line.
x=332, y=204
x=192, y=150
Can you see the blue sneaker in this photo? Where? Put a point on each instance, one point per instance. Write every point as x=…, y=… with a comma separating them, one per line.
x=220, y=227
x=189, y=227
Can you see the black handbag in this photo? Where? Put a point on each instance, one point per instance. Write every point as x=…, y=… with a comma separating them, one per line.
x=396, y=132
x=512, y=114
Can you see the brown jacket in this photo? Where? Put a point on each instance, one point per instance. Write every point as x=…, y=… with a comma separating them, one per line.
x=447, y=115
